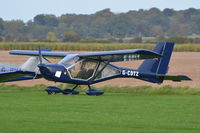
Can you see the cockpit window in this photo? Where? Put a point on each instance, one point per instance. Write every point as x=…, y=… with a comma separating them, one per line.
x=83, y=70
x=69, y=60
x=106, y=71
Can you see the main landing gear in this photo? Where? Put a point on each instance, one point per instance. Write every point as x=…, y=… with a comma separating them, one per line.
x=51, y=90
x=71, y=91
x=93, y=92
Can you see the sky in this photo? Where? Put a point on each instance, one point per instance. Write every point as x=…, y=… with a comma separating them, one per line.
x=26, y=9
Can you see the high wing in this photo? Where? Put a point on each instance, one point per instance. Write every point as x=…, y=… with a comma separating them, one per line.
x=16, y=76
x=121, y=55
x=111, y=56
x=36, y=53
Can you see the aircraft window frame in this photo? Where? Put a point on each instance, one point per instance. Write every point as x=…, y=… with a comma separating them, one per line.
x=112, y=68
x=82, y=60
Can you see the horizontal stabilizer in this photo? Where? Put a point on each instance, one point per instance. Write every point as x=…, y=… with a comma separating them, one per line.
x=176, y=78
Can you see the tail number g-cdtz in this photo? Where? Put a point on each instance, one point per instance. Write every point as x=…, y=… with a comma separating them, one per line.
x=130, y=73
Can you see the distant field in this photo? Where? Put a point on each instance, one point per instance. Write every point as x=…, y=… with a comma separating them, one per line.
x=89, y=46
x=24, y=110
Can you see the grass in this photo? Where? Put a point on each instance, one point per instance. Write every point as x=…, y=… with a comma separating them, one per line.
x=162, y=90
x=89, y=46
x=27, y=109
x=144, y=90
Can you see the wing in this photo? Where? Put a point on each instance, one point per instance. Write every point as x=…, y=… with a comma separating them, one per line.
x=121, y=55
x=36, y=53
x=16, y=76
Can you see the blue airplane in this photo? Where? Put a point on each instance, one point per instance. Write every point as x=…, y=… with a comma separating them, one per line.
x=91, y=68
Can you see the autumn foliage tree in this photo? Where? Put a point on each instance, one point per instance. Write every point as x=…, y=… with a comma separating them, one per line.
x=105, y=24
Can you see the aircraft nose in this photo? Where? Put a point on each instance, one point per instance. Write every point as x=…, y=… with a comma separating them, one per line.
x=44, y=69
x=51, y=71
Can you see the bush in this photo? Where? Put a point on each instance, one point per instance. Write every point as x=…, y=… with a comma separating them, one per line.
x=179, y=40
x=51, y=37
x=71, y=37
x=136, y=40
x=1, y=39
x=94, y=40
x=194, y=40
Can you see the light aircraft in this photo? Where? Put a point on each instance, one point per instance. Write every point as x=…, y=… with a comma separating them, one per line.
x=91, y=68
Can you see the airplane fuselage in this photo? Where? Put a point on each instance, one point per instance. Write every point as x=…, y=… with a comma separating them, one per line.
x=59, y=73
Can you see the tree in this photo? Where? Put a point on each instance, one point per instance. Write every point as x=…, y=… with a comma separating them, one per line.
x=1, y=26
x=39, y=19
x=136, y=40
x=104, y=13
x=157, y=30
x=195, y=25
x=142, y=29
x=51, y=37
x=22, y=38
x=71, y=37
x=189, y=12
x=106, y=24
x=49, y=20
x=120, y=26
x=14, y=27
x=154, y=11
x=168, y=12
x=1, y=38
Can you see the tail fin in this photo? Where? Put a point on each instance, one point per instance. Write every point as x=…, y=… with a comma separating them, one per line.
x=158, y=66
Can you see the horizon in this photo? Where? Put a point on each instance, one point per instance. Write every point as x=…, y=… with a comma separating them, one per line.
x=27, y=10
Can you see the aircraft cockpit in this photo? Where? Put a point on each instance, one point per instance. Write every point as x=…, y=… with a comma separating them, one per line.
x=86, y=69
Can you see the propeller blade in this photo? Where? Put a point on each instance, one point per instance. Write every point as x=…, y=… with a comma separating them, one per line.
x=46, y=59
x=40, y=62
x=40, y=55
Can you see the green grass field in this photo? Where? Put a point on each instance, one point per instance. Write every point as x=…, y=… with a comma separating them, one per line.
x=32, y=111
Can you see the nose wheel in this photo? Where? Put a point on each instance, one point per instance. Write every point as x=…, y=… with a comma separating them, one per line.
x=51, y=90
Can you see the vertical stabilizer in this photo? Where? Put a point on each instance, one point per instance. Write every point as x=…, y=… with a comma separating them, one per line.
x=158, y=66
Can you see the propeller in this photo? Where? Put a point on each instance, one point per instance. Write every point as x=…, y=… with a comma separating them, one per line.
x=40, y=62
x=40, y=55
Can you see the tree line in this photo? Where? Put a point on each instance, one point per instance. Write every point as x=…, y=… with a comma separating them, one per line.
x=104, y=24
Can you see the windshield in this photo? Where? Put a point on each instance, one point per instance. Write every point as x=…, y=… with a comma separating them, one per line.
x=69, y=60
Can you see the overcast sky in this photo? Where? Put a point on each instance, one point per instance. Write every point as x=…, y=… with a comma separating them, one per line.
x=27, y=9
